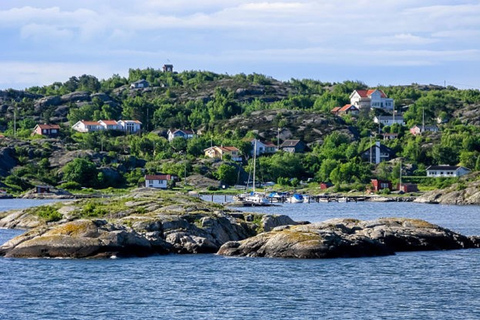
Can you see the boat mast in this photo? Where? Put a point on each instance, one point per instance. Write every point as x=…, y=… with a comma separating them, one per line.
x=254, y=162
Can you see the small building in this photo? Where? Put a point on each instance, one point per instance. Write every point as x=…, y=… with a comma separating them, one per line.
x=381, y=184
x=262, y=147
x=442, y=171
x=389, y=120
x=421, y=129
x=293, y=146
x=160, y=181
x=87, y=126
x=168, y=68
x=186, y=134
x=49, y=130
x=140, y=84
x=346, y=109
x=221, y=152
x=408, y=187
x=270, y=148
x=377, y=153
x=42, y=189
x=325, y=185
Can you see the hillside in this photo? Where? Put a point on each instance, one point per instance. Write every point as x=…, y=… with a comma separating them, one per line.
x=228, y=110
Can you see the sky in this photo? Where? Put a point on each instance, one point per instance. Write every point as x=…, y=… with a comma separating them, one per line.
x=378, y=42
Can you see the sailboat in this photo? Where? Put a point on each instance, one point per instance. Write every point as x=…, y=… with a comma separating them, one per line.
x=253, y=198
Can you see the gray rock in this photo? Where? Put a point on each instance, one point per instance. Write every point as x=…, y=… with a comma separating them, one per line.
x=80, y=239
x=75, y=97
x=463, y=194
x=269, y=222
x=47, y=102
x=102, y=96
x=349, y=238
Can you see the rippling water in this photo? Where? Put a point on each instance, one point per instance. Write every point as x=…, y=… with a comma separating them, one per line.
x=415, y=285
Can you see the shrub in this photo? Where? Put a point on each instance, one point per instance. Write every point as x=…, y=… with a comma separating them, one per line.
x=70, y=185
x=48, y=213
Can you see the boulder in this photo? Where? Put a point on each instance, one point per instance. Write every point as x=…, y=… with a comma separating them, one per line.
x=47, y=102
x=81, y=239
x=102, y=96
x=349, y=238
x=75, y=97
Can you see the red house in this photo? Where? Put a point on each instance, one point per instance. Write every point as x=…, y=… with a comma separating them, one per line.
x=49, y=130
x=325, y=185
x=408, y=187
x=379, y=185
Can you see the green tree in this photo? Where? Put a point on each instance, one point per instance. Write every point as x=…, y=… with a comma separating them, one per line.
x=81, y=171
x=226, y=173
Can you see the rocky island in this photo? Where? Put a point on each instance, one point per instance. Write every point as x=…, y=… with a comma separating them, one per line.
x=147, y=222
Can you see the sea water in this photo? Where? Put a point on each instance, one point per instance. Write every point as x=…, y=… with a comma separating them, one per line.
x=413, y=285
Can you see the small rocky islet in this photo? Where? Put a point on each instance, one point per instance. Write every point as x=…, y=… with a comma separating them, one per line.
x=147, y=222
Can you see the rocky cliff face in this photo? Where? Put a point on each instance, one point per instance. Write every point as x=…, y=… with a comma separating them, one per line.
x=459, y=193
x=349, y=238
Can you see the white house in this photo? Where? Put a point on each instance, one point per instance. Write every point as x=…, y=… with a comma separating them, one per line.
x=371, y=99
x=159, y=181
x=262, y=147
x=420, y=129
x=87, y=126
x=130, y=126
x=110, y=125
x=140, y=84
x=186, y=134
x=446, y=171
x=389, y=120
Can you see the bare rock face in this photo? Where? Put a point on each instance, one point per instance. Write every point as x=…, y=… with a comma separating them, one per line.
x=462, y=194
x=349, y=238
x=77, y=96
x=80, y=239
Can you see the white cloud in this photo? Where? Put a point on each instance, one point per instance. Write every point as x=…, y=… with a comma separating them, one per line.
x=20, y=74
x=353, y=32
x=401, y=39
x=43, y=32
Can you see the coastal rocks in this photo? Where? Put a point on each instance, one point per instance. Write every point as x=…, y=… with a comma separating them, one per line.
x=349, y=238
x=81, y=239
x=458, y=193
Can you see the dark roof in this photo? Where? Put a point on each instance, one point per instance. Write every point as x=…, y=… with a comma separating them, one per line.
x=290, y=143
x=382, y=148
x=444, y=167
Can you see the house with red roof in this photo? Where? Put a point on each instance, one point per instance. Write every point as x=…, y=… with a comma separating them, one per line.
x=372, y=98
x=346, y=109
x=110, y=125
x=160, y=181
x=87, y=126
x=49, y=130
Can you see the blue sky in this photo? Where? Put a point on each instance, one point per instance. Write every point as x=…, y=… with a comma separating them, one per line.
x=384, y=42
